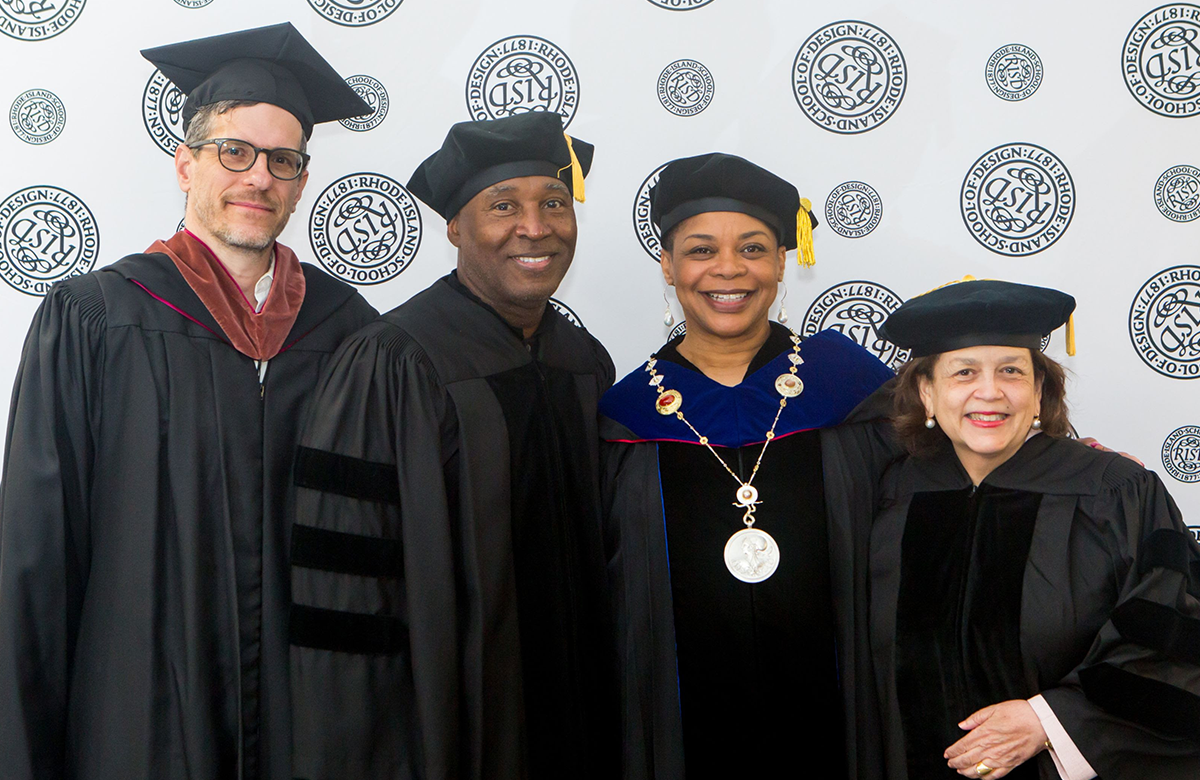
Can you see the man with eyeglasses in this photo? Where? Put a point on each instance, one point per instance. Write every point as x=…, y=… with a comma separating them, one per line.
x=145, y=512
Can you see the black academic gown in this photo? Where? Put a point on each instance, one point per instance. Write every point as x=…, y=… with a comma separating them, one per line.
x=1068, y=572
x=448, y=570
x=144, y=525
x=819, y=476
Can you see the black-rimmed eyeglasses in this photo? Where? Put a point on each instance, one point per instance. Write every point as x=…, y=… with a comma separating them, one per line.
x=237, y=155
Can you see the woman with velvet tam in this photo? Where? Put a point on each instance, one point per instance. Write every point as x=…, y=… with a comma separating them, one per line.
x=1035, y=603
x=739, y=466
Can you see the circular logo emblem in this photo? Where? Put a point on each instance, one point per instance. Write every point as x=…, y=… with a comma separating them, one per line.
x=1181, y=453
x=46, y=235
x=647, y=231
x=1014, y=72
x=37, y=116
x=519, y=74
x=355, y=13
x=1177, y=193
x=37, y=20
x=375, y=96
x=1160, y=60
x=677, y=331
x=192, y=3
x=365, y=228
x=853, y=209
x=849, y=77
x=856, y=310
x=162, y=112
x=685, y=87
x=567, y=312
x=1017, y=199
x=680, y=5
x=1164, y=322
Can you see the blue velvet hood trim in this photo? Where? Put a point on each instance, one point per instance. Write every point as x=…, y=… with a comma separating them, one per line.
x=837, y=374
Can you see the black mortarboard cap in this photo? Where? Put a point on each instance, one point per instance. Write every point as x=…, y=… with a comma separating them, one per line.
x=273, y=64
x=974, y=312
x=725, y=182
x=476, y=155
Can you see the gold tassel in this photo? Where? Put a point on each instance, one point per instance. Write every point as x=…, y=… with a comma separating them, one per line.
x=804, y=235
x=576, y=171
x=1071, y=335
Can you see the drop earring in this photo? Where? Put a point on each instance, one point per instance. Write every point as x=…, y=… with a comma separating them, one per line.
x=783, y=318
x=1037, y=422
x=930, y=423
x=668, y=317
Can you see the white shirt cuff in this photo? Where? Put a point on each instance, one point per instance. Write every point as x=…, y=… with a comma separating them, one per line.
x=1068, y=760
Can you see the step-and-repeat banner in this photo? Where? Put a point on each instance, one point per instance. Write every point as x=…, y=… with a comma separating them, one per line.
x=1047, y=143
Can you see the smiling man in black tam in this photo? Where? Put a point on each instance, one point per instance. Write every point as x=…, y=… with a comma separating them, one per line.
x=450, y=614
x=147, y=499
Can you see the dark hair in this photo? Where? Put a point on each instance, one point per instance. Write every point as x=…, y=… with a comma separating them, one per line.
x=668, y=238
x=908, y=414
x=199, y=128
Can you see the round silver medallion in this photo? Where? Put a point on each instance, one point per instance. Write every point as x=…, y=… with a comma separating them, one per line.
x=751, y=555
x=789, y=385
x=747, y=495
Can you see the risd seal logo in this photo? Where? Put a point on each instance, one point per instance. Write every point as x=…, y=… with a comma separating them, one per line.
x=1181, y=453
x=647, y=231
x=685, y=87
x=849, y=77
x=365, y=228
x=46, y=235
x=680, y=5
x=375, y=96
x=1177, y=193
x=856, y=309
x=193, y=3
x=567, y=312
x=1017, y=199
x=853, y=209
x=678, y=330
x=355, y=13
x=162, y=112
x=1014, y=72
x=37, y=116
x=37, y=20
x=1164, y=322
x=519, y=74
x=1161, y=60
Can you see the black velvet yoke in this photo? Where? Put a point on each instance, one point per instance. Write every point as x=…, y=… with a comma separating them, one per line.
x=958, y=646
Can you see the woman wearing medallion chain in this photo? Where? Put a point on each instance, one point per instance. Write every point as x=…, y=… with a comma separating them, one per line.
x=1035, y=604
x=736, y=512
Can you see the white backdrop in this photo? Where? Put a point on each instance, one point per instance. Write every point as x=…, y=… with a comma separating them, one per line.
x=1086, y=106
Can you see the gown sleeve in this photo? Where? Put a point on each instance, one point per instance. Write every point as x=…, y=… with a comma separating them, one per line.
x=1134, y=701
x=374, y=592
x=44, y=524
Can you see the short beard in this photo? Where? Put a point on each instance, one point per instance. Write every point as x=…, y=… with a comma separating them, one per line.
x=245, y=240
x=251, y=240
